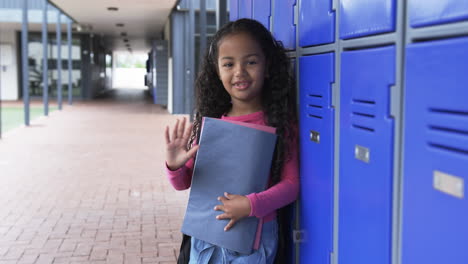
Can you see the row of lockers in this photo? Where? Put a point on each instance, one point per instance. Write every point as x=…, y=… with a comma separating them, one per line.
x=359, y=18
x=434, y=211
x=435, y=154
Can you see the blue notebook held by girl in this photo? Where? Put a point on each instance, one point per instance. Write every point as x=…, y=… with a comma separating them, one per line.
x=233, y=157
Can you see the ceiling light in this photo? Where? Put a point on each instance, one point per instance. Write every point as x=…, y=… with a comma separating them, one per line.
x=119, y=24
x=112, y=8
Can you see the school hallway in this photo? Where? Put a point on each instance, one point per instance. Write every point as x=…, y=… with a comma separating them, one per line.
x=87, y=185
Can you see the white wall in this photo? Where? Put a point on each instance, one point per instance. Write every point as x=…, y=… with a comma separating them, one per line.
x=9, y=73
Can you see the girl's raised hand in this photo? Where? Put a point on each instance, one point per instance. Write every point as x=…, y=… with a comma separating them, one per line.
x=177, y=153
x=235, y=207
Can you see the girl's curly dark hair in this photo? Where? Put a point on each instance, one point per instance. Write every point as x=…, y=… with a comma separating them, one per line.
x=278, y=93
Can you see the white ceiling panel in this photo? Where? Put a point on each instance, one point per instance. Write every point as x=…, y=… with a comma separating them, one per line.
x=143, y=20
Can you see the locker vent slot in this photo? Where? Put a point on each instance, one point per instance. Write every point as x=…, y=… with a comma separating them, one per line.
x=315, y=95
x=364, y=128
x=364, y=114
x=315, y=116
x=447, y=148
x=369, y=105
x=315, y=106
x=359, y=101
x=451, y=112
x=449, y=130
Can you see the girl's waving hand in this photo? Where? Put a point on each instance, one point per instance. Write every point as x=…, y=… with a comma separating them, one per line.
x=177, y=152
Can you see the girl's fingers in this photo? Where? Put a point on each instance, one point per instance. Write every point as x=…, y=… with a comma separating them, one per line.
x=222, y=199
x=192, y=151
x=230, y=225
x=219, y=207
x=187, y=132
x=174, y=131
x=180, y=132
x=168, y=139
x=223, y=216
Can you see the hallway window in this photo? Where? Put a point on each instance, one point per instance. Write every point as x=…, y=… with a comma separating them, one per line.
x=35, y=65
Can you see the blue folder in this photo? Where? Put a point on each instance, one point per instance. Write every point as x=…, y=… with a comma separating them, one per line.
x=232, y=158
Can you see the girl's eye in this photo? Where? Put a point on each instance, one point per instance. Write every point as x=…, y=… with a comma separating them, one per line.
x=252, y=62
x=227, y=65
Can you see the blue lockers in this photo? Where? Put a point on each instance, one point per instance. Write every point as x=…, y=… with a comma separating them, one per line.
x=435, y=131
x=284, y=28
x=245, y=8
x=262, y=12
x=435, y=208
x=431, y=12
x=259, y=10
x=233, y=10
x=366, y=156
x=366, y=17
x=320, y=29
x=316, y=151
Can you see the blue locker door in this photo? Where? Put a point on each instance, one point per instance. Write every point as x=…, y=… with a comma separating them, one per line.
x=320, y=29
x=435, y=206
x=284, y=28
x=245, y=8
x=431, y=12
x=262, y=12
x=366, y=156
x=366, y=17
x=233, y=10
x=316, y=152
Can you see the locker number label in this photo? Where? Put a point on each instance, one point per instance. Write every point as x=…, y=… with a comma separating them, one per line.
x=449, y=184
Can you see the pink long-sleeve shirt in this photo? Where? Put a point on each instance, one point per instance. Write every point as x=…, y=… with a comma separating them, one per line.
x=263, y=204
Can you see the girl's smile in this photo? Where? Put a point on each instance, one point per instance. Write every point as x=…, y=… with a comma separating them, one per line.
x=241, y=85
x=241, y=69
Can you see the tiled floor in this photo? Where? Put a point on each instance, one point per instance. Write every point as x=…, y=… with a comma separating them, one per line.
x=87, y=185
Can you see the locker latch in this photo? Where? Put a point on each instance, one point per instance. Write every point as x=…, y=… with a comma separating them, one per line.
x=315, y=136
x=298, y=236
x=362, y=153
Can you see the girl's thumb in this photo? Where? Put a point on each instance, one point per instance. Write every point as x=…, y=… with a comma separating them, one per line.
x=192, y=151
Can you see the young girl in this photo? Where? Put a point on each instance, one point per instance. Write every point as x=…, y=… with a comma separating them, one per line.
x=245, y=77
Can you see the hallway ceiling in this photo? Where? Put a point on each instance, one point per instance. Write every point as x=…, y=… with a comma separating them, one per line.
x=143, y=20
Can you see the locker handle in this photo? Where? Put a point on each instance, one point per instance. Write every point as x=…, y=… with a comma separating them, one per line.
x=315, y=136
x=362, y=153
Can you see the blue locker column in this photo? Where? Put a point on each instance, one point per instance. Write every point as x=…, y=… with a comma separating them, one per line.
x=245, y=8
x=435, y=206
x=431, y=12
x=366, y=156
x=233, y=10
x=316, y=23
x=316, y=154
x=262, y=12
x=366, y=17
x=284, y=28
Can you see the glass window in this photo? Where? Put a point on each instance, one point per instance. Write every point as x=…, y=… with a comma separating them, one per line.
x=35, y=51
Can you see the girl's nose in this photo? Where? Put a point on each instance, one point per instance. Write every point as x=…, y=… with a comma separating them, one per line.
x=239, y=70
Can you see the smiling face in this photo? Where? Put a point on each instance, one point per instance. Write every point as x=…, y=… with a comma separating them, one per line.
x=241, y=69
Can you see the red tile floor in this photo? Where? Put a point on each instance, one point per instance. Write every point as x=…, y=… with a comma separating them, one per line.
x=87, y=185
